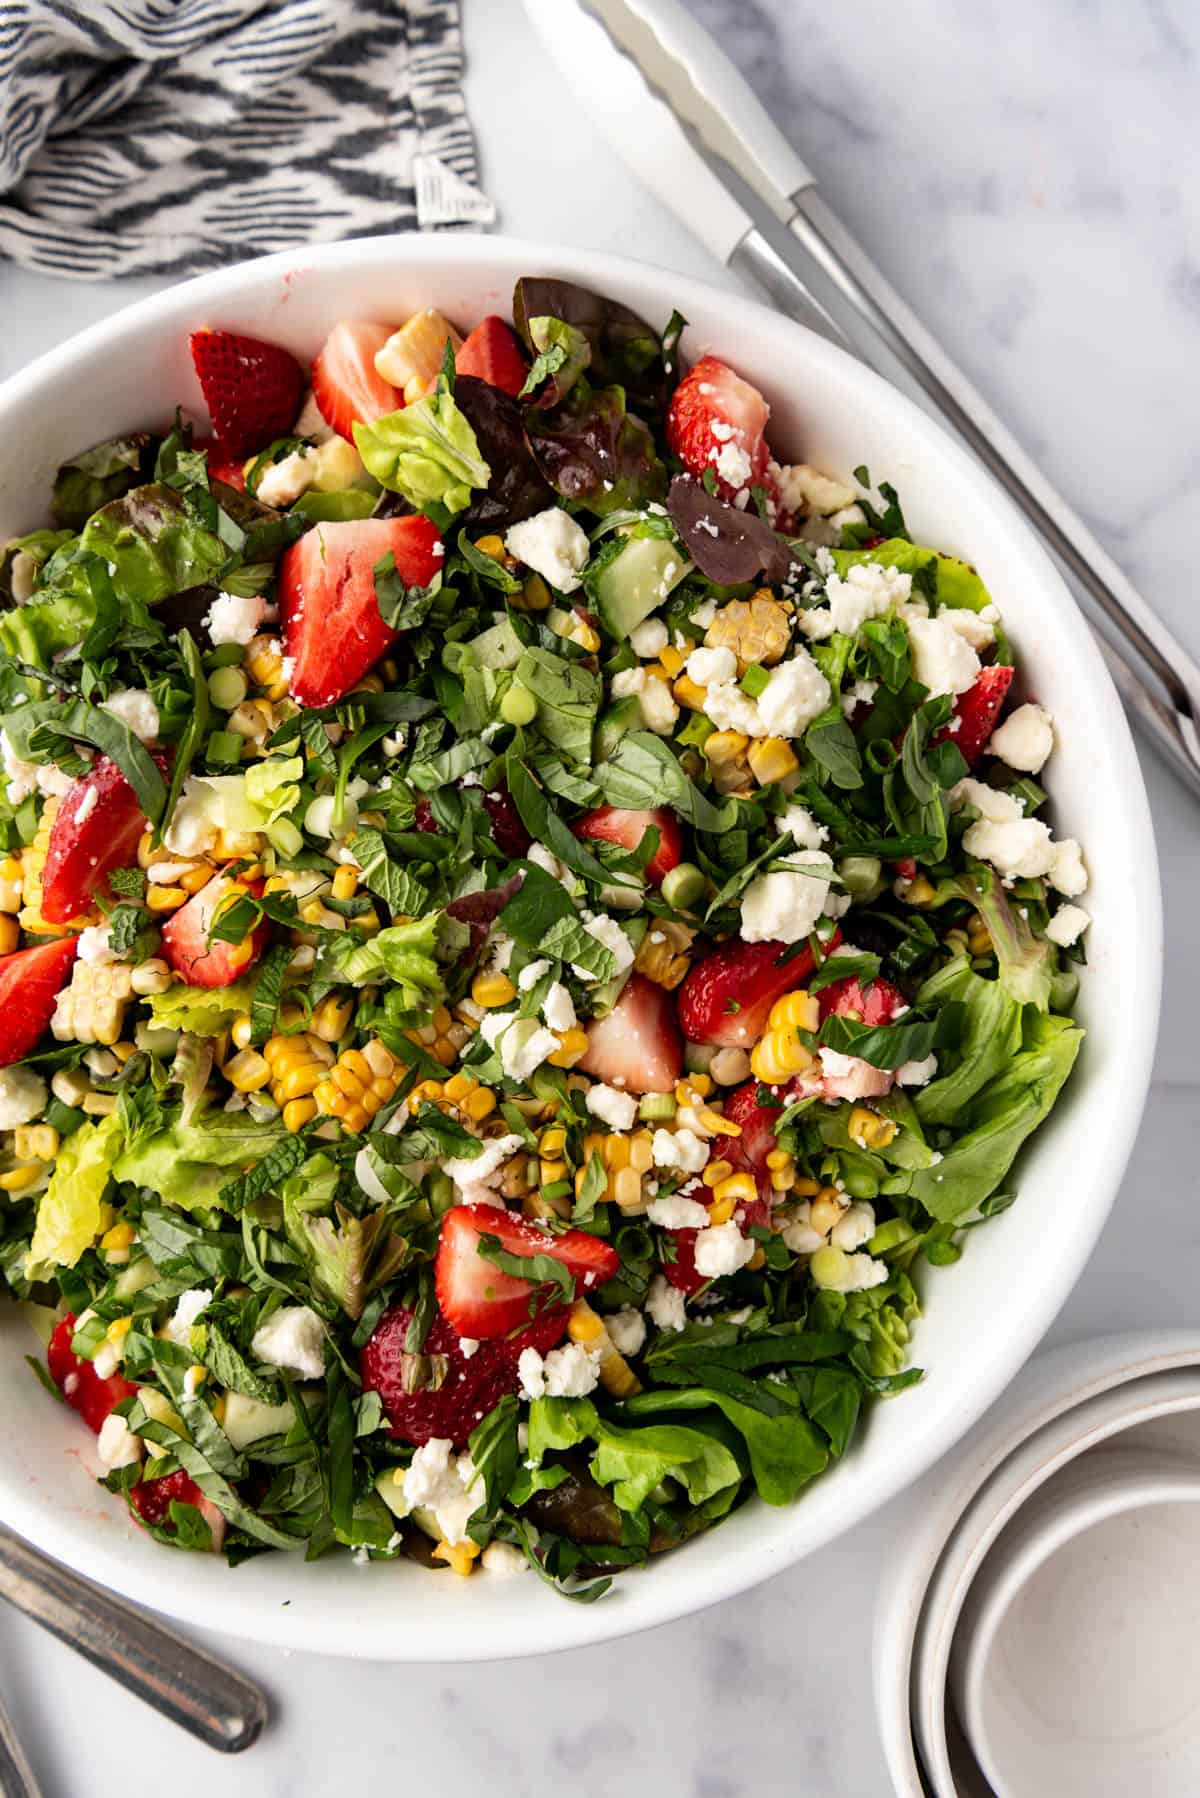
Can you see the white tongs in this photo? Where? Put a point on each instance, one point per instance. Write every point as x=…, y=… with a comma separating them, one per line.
x=653, y=80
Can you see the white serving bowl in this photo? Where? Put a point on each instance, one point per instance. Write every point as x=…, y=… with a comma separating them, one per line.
x=1071, y=1670
x=988, y=1313
x=1063, y=1405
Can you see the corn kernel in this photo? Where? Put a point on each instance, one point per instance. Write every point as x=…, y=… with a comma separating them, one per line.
x=771, y=759
x=461, y=1557
x=716, y=1171
x=919, y=891
x=10, y=934
x=35, y=1142
x=720, y=1211
x=18, y=1178
x=120, y=1237
x=164, y=899
x=332, y=1018
x=248, y=1071
x=572, y=1047
x=869, y=1130
x=585, y=1326
x=738, y=1188
x=492, y=990
x=299, y=1112
x=672, y=660
x=345, y=883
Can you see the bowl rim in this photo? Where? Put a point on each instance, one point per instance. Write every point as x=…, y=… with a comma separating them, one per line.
x=658, y=1600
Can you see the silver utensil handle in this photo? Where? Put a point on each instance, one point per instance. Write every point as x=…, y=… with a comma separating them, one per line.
x=867, y=300
x=211, y=1701
x=16, y=1775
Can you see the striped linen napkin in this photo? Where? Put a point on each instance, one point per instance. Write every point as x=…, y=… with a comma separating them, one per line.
x=165, y=136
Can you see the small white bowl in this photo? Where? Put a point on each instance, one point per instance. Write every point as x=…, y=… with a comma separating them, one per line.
x=1060, y=1405
x=1071, y=1668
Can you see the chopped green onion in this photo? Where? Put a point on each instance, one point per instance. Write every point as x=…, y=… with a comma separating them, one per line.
x=224, y=749
x=862, y=875
x=755, y=680
x=227, y=687
x=684, y=886
x=656, y=1105
x=518, y=705
x=285, y=837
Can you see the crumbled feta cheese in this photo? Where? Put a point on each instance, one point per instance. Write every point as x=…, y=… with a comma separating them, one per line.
x=835, y=1065
x=188, y=1307
x=608, y=932
x=711, y=667
x=729, y=708
x=559, y=1009
x=553, y=545
x=838, y=521
x=855, y=1227
x=916, y=1073
x=136, y=710
x=21, y=775
x=858, y=1274
x=649, y=638
x=861, y=693
x=664, y=1304
x=191, y=831
x=471, y=1173
x=468, y=1346
x=525, y=1046
x=803, y=489
x=796, y=693
x=23, y=1096
x=236, y=617
x=991, y=803
x=95, y=945
x=529, y=976
x=732, y=464
x=943, y=661
x=284, y=481
x=292, y=1338
x=798, y=822
x=677, y=1213
x=116, y=1445
x=658, y=708
x=626, y=1331
x=1067, y=925
x=627, y=683
x=571, y=1371
x=616, y=1109
x=544, y=858
x=722, y=1249
x=1067, y=872
x=703, y=614
x=866, y=590
x=1018, y=849
x=681, y=1149
x=503, y=1559
x=1025, y=739
x=438, y=1481
x=499, y=951
x=784, y=904
x=973, y=627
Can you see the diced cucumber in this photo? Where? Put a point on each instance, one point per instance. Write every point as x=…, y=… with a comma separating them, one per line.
x=620, y=716
x=635, y=581
x=248, y=1420
x=131, y=1279
x=497, y=647
x=390, y=1487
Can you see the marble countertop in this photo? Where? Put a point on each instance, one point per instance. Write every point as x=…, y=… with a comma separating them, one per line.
x=1022, y=172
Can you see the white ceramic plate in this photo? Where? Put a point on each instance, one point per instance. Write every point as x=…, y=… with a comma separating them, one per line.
x=987, y=1313
x=943, y=1536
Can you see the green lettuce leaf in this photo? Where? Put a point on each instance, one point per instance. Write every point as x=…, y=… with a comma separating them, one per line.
x=154, y=545
x=1027, y=963
x=785, y=1450
x=568, y=698
x=403, y=954
x=348, y=1257
x=998, y=1120
x=426, y=451
x=68, y=1217
x=273, y=787
x=944, y=579
x=188, y=1164
x=203, y=1011
x=93, y=477
x=633, y=1461
x=643, y=773
x=991, y=1038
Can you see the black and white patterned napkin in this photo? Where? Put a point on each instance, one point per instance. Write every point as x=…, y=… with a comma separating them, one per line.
x=165, y=136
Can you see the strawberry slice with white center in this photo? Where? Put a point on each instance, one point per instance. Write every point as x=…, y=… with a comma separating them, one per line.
x=879, y=1002
x=637, y=1046
x=332, y=626
x=97, y=827
x=480, y=1299
x=346, y=384
x=616, y=824
x=196, y=957
x=727, y=998
x=718, y=421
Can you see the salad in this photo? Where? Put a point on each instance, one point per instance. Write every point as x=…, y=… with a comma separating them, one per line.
x=526, y=925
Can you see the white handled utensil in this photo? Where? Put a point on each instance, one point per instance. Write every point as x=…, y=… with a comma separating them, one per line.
x=651, y=77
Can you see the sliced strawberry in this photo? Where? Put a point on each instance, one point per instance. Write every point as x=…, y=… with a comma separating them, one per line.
x=30, y=982
x=492, y=354
x=713, y=416
x=152, y=1500
x=727, y=997
x=332, y=626
x=879, y=1002
x=221, y=465
x=477, y=1297
x=185, y=937
x=681, y=1270
x=976, y=712
x=441, y=1391
x=252, y=389
x=97, y=828
x=613, y=824
x=346, y=385
x=512, y=838
x=78, y=1380
x=637, y=1045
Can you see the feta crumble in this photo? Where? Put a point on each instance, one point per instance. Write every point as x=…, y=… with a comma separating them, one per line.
x=1025, y=739
x=783, y=904
x=677, y=1213
x=664, y=1305
x=292, y=1338
x=722, y=1249
x=943, y=660
x=626, y=1331
x=1067, y=925
x=22, y=1096
x=681, y=1149
x=236, y=617
x=136, y=710
x=616, y=1109
x=553, y=545
x=571, y=1371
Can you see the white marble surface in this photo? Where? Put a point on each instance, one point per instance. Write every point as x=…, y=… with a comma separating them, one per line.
x=1024, y=173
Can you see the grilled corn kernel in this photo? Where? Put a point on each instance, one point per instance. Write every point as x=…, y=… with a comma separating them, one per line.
x=492, y=990
x=263, y=664
x=552, y=1141
x=241, y=1031
x=345, y=883
x=585, y=1326
x=254, y=719
x=771, y=759
x=625, y=1159
x=461, y=1557
x=411, y=359
x=869, y=1130
x=165, y=899
x=741, y=1189
x=979, y=937
x=757, y=630
x=572, y=1047
x=492, y=546
x=18, y=1178
x=779, y=1053
x=443, y=1037
x=35, y=1142
x=689, y=694
x=11, y=876
x=248, y=1071
x=299, y=1112
x=10, y=934
x=919, y=891
x=353, y=1092
x=153, y=976
x=99, y=1105
x=663, y=953
x=92, y=1008
x=121, y=1236
x=716, y=1171
x=70, y=1086
x=825, y=1210
x=672, y=660
x=332, y=1018
x=720, y=1211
